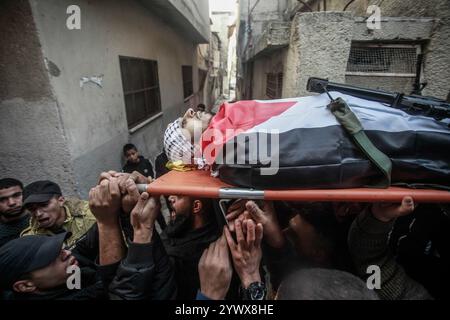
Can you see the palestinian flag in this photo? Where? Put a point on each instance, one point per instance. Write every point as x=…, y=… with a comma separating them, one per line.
x=299, y=142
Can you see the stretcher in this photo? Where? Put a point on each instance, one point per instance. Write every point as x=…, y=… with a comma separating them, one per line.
x=200, y=184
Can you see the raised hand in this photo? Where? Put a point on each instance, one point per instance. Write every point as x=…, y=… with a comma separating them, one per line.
x=267, y=217
x=143, y=218
x=130, y=195
x=127, y=185
x=107, y=176
x=137, y=177
x=215, y=270
x=235, y=210
x=104, y=201
x=387, y=211
x=246, y=253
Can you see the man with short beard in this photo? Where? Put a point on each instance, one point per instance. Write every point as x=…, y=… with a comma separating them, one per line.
x=191, y=229
x=13, y=217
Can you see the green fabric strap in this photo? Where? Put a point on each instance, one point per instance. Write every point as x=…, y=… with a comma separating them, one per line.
x=350, y=122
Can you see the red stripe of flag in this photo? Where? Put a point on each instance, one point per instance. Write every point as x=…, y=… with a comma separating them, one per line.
x=239, y=116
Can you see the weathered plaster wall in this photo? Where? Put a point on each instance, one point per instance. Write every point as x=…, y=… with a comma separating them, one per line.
x=319, y=46
x=53, y=128
x=32, y=138
x=437, y=57
x=94, y=118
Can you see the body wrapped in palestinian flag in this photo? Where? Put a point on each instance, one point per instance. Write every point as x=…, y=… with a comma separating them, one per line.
x=298, y=143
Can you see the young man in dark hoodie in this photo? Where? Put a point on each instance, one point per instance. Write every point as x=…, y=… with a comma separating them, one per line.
x=136, y=162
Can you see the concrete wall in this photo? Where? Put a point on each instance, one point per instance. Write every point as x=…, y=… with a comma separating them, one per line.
x=196, y=13
x=359, y=6
x=214, y=85
x=274, y=63
x=263, y=12
x=397, y=29
x=220, y=25
x=32, y=137
x=94, y=118
x=190, y=18
x=401, y=30
x=209, y=60
x=249, y=30
x=437, y=57
x=320, y=45
x=318, y=42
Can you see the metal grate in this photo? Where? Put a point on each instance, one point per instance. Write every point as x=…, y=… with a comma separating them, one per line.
x=387, y=60
x=141, y=89
x=274, y=85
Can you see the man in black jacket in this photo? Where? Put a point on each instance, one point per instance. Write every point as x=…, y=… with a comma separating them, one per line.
x=191, y=229
x=36, y=268
x=145, y=272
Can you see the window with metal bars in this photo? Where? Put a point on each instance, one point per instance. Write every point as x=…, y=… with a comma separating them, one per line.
x=274, y=85
x=383, y=60
x=140, y=89
x=188, y=87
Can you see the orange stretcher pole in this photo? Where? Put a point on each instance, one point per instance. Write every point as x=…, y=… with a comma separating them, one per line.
x=201, y=185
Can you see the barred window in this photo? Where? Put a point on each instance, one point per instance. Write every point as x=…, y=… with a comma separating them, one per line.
x=274, y=85
x=395, y=60
x=140, y=89
x=188, y=88
x=383, y=66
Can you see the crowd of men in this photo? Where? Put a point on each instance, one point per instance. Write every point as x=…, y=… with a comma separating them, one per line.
x=260, y=250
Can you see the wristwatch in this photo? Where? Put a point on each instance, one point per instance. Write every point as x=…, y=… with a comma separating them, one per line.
x=255, y=291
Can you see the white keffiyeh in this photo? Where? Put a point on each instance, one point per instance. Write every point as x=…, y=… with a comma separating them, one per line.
x=176, y=145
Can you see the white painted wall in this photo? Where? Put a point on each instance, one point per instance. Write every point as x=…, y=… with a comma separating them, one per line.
x=94, y=118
